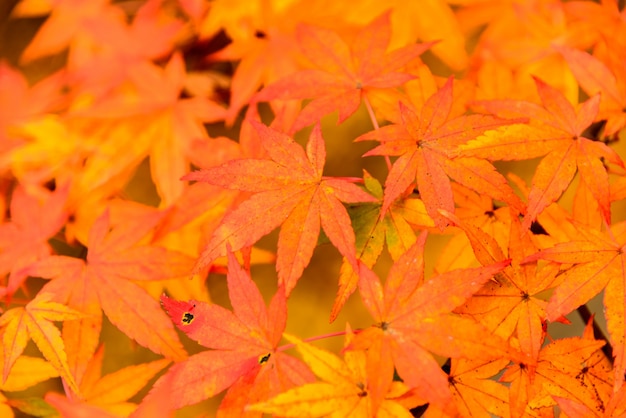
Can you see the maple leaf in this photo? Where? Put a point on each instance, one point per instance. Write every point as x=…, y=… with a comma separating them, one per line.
x=290, y=190
x=372, y=232
x=481, y=211
x=109, y=393
x=574, y=408
x=596, y=77
x=167, y=125
x=426, y=143
x=564, y=368
x=103, y=282
x=20, y=103
x=556, y=130
x=596, y=375
x=509, y=303
x=344, y=392
x=26, y=372
x=264, y=46
x=105, y=56
x=244, y=355
x=67, y=20
x=598, y=263
x=519, y=42
x=413, y=318
x=344, y=72
x=49, y=150
x=150, y=35
x=34, y=321
x=604, y=21
x=433, y=20
x=24, y=240
x=473, y=391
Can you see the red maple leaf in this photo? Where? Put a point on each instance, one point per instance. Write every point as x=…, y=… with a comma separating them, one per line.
x=343, y=72
x=290, y=190
x=243, y=355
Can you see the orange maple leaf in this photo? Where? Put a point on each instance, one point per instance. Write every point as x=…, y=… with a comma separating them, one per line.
x=24, y=240
x=104, y=396
x=519, y=41
x=556, y=130
x=598, y=262
x=482, y=212
x=167, y=126
x=290, y=190
x=509, y=304
x=103, y=282
x=426, y=143
x=244, y=355
x=564, y=368
x=262, y=42
x=20, y=103
x=344, y=72
x=576, y=408
x=596, y=77
x=473, y=390
x=344, y=391
x=68, y=19
x=413, y=318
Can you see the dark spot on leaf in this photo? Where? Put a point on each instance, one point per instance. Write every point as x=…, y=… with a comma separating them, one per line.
x=363, y=392
x=260, y=34
x=187, y=318
x=265, y=358
x=490, y=213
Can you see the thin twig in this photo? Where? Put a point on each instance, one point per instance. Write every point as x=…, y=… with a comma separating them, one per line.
x=370, y=112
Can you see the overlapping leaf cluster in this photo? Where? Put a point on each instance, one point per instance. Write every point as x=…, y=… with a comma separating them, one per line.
x=445, y=94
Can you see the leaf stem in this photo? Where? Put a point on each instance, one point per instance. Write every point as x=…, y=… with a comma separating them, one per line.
x=370, y=111
x=598, y=334
x=349, y=179
x=315, y=338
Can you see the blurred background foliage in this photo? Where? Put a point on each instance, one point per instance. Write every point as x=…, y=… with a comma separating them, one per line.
x=312, y=299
